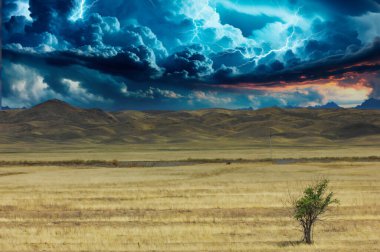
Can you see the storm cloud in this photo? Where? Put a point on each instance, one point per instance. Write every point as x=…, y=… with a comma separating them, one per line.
x=156, y=54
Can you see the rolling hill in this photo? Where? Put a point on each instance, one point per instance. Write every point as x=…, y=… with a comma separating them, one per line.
x=57, y=121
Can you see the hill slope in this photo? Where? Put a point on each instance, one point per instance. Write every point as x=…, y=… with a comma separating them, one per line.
x=56, y=121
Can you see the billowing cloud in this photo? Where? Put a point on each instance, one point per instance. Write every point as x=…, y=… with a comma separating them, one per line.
x=189, y=54
x=189, y=63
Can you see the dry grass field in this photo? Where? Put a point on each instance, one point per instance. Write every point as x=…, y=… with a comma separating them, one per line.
x=205, y=207
x=208, y=150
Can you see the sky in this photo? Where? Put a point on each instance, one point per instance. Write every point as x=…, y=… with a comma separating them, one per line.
x=190, y=54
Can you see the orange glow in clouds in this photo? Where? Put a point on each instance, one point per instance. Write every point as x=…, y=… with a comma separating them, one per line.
x=347, y=91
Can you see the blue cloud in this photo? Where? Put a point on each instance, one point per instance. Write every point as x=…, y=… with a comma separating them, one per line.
x=182, y=46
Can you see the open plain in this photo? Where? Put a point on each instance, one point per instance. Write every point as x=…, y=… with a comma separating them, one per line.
x=202, y=207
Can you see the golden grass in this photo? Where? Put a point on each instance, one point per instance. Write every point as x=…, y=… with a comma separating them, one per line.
x=146, y=152
x=209, y=207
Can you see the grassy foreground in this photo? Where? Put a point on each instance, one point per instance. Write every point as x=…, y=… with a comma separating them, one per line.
x=204, y=207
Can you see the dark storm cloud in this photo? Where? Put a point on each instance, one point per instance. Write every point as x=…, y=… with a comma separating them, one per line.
x=246, y=23
x=354, y=8
x=16, y=24
x=189, y=63
x=185, y=45
x=12, y=8
x=335, y=37
x=49, y=15
x=232, y=58
x=8, y=7
x=365, y=60
x=133, y=63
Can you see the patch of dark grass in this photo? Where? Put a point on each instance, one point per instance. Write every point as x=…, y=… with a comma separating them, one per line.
x=189, y=161
x=11, y=173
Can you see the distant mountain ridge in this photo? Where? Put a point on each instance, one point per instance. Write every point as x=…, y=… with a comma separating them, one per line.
x=329, y=105
x=370, y=104
x=5, y=108
x=57, y=121
x=9, y=108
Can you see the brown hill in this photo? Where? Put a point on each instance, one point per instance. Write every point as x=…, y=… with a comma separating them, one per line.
x=55, y=121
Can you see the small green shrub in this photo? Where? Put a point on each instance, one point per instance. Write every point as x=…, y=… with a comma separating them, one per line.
x=313, y=203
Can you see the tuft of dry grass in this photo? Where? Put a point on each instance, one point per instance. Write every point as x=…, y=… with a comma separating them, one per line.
x=204, y=207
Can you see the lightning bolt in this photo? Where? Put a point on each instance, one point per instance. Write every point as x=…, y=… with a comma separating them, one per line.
x=289, y=44
x=196, y=22
x=249, y=54
x=81, y=9
x=78, y=11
